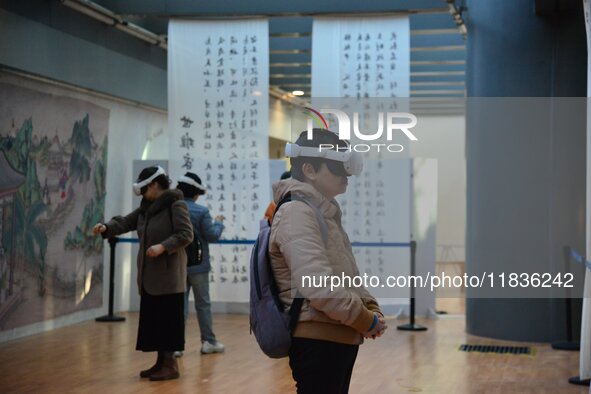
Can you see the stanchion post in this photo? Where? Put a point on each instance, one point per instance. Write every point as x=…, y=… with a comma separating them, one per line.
x=569, y=344
x=412, y=326
x=111, y=317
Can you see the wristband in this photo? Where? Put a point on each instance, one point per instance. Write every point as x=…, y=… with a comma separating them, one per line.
x=373, y=324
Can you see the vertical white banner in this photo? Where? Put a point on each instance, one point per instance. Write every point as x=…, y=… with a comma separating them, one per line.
x=218, y=86
x=364, y=64
x=377, y=210
x=361, y=57
x=585, y=355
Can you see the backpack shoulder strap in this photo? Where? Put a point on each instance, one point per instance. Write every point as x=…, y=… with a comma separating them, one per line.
x=286, y=198
x=294, y=311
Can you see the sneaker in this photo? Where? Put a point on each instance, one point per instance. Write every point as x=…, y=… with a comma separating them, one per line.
x=208, y=347
x=178, y=354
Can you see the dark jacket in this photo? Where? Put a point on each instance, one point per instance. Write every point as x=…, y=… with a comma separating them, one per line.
x=207, y=229
x=163, y=221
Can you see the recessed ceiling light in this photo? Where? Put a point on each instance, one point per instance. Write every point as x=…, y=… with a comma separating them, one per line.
x=297, y=93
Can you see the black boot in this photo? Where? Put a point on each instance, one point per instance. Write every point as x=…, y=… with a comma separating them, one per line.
x=169, y=368
x=147, y=372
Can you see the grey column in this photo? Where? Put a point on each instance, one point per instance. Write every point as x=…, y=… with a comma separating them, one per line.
x=525, y=168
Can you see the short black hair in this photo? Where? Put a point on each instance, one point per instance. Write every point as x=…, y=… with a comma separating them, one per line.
x=286, y=175
x=190, y=191
x=147, y=172
x=319, y=136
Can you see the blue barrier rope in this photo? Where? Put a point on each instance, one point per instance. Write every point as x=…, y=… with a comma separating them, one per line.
x=129, y=240
x=580, y=259
x=576, y=256
x=251, y=242
x=235, y=242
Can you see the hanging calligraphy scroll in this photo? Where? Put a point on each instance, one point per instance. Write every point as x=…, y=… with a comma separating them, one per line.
x=361, y=57
x=218, y=119
x=361, y=66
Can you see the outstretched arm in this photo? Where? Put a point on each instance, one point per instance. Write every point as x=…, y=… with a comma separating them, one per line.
x=117, y=225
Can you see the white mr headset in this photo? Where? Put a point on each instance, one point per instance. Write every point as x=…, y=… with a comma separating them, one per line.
x=137, y=187
x=352, y=161
x=192, y=182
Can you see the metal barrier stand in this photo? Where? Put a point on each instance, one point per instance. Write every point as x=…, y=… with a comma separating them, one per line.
x=412, y=326
x=110, y=317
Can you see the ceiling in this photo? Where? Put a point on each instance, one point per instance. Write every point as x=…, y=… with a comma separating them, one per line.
x=437, y=46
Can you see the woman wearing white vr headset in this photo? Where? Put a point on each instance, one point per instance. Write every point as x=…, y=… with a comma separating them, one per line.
x=332, y=322
x=164, y=229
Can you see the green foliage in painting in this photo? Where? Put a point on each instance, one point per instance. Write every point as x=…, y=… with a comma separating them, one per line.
x=27, y=236
x=22, y=154
x=81, y=237
x=81, y=151
x=30, y=237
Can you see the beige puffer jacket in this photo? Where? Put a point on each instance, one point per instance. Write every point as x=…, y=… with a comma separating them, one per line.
x=297, y=249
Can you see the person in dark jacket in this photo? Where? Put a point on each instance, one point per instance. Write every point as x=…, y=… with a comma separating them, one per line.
x=164, y=229
x=207, y=230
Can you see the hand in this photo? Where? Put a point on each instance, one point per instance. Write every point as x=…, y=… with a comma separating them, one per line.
x=220, y=218
x=99, y=228
x=379, y=328
x=155, y=250
x=383, y=326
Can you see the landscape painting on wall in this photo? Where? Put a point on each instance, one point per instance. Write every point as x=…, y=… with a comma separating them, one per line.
x=53, y=154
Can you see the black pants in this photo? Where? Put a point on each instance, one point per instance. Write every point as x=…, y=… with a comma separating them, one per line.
x=321, y=366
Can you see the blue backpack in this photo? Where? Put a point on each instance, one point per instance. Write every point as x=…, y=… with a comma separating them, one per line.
x=271, y=325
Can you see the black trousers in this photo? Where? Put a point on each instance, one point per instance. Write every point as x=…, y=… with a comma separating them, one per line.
x=321, y=366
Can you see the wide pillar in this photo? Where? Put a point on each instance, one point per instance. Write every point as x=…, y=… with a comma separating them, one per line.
x=525, y=169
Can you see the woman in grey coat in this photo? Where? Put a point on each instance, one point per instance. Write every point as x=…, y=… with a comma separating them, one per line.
x=164, y=228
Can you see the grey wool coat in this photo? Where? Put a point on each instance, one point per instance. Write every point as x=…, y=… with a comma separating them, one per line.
x=164, y=221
